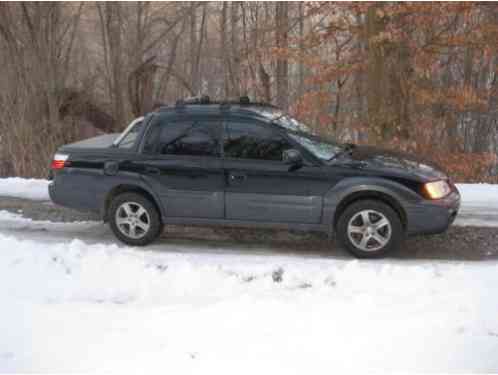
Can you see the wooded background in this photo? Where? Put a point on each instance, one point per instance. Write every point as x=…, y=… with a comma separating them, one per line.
x=414, y=76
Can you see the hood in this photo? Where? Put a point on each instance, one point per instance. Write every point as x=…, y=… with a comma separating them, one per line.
x=399, y=163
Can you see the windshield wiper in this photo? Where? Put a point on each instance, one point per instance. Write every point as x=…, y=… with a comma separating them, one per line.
x=348, y=148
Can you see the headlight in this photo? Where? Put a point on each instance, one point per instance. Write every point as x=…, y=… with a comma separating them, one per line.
x=436, y=189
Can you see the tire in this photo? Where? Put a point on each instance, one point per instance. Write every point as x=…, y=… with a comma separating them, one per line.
x=132, y=210
x=381, y=234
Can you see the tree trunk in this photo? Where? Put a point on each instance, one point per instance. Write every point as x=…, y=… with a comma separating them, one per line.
x=375, y=76
x=282, y=27
x=224, y=58
x=113, y=29
x=194, y=82
x=235, y=57
x=488, y=119
x=300, y=89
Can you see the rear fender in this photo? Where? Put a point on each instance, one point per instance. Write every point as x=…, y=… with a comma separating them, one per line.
x=122, y=182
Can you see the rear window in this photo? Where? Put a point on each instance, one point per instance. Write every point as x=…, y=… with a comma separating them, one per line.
x=195, y=137
x=131, y=137
x=192, y=138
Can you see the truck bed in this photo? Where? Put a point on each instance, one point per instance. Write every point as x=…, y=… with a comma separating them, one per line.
x=99, y=142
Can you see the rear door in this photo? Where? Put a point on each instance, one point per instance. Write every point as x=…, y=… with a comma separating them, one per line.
x=260, y=186
x=183, y=165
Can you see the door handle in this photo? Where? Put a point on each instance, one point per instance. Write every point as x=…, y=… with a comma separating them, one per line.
x=237, y=177
x=152, y=170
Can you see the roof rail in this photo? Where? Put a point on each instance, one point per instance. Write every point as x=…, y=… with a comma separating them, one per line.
x=193, y=100
x=224, y=104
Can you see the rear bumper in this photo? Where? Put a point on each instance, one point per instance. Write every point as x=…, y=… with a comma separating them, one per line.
x=51, y=189
x=68, y=196
x=433, y=216
x=60, y=196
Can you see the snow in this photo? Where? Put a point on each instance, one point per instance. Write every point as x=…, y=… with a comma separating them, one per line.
x=35, y=189
x=74, y=300
x=100, y=307
x=479, y=205
x=484, y=195
x=72, y=306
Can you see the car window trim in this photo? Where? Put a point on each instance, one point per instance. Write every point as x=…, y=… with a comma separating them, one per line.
x=147, y=129
x=160, y=157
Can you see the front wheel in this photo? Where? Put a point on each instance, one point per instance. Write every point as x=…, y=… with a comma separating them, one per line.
x=134, y=219
x=369, y=229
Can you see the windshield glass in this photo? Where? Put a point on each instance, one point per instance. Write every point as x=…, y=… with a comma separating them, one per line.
x=321, y=148
x=292, y=124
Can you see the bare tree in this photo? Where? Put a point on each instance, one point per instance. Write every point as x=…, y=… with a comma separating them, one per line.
x=282, y=71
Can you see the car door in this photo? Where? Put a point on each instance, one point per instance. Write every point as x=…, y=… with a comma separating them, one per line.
x=260, y=187
x=183, y=165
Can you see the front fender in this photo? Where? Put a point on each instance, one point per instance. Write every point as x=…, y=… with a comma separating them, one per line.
x=354, y=185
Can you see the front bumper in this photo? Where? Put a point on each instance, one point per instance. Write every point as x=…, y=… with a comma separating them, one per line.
x=433, y=216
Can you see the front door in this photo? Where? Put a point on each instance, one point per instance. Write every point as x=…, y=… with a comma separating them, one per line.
x=260, y=186
x=185, y=169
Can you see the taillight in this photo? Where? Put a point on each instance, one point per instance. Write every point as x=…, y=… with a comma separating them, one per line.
x=59, y=161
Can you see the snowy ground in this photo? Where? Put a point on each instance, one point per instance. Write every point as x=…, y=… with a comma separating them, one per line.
x=24, y=188
x=73, y=300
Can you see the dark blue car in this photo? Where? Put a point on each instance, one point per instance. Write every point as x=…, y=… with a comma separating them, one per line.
x=248, y=164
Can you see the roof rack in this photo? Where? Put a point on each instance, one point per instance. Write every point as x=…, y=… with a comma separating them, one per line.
x=224, y=104
x=193, y=100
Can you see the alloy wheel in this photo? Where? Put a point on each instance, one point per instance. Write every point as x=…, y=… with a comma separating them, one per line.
x=132, y=220
x=369, y=230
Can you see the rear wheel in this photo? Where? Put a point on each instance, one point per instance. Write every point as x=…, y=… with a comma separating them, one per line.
x=134, y=219
x=369, y=229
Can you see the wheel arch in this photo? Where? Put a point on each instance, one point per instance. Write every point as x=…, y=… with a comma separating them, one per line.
x=370, y=195
x=129, y=188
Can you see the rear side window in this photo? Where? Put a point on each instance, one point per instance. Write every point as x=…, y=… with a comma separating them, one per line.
x=246, y=140
x=192, y=138
x=129, y=139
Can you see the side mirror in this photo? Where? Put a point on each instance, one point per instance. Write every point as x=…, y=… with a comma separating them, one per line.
x=292, y=157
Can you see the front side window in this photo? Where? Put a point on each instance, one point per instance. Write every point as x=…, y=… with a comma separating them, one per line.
x=245, y=140
x=192, y=138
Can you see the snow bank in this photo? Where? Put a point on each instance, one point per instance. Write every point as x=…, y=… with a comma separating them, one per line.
x=485, y=195
x=77, y=307
x=17, y=187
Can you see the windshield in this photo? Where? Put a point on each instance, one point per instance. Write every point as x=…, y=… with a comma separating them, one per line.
x=292, y=124
x=321, y=148
x=129, y=135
